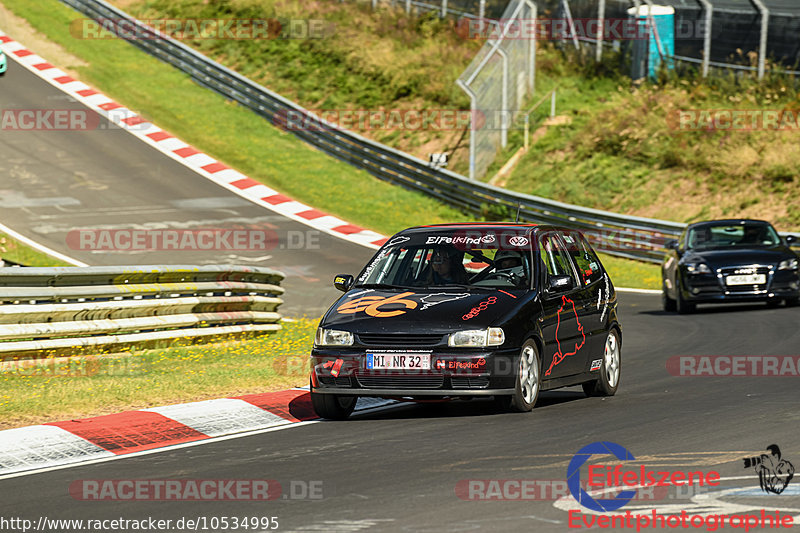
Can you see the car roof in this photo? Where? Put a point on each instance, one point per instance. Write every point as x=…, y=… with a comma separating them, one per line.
x=494, y=226
x=726, y=221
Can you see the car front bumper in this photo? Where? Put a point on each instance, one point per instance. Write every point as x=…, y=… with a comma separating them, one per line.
x=451, y=374
x=712, y=288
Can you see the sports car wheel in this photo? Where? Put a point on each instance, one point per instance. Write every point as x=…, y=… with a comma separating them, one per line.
x=333, y=406
x=667, y=302
x=607, y=383
x=682, y=306
x=528, y=381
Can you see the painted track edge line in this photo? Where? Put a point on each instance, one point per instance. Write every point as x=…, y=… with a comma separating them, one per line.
x=40, y=247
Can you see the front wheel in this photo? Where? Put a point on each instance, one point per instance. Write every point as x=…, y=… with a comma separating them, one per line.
x=607, y=383
x=666, y=302
x=526, y=390
x=682, y=306
x=333, y=406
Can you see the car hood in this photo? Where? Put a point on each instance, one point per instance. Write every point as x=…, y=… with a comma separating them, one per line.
x=414, y=311
x=748, y=256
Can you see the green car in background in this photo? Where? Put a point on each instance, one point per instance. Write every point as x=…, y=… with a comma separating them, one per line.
x=3, y=63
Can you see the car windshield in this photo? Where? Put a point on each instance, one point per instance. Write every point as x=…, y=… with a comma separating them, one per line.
x=434, y=262
x=737, y=235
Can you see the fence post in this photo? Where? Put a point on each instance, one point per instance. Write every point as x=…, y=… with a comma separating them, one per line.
x=532, y=48
x=408, y=7
x=527, y=133
x=565, y=3
x=504, y=98
x=374, y=4
x=553, y=104
x=762, y=44
x=444, y=8
x=482, y=11
x=708, y=9
x=601, y=14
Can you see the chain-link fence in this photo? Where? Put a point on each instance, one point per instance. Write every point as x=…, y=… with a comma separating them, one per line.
x=497, y=81
x=732, y=34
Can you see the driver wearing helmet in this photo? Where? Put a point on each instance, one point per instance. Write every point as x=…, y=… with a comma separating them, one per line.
x=510, y=263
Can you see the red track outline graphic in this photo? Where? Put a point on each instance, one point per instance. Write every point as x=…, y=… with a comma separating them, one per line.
x=559, y=355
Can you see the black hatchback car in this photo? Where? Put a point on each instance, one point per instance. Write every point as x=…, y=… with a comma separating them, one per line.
x=464, y=310
x=737, y=260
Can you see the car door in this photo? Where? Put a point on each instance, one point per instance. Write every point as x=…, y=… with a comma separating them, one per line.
x=565, y=340
x=594, y=295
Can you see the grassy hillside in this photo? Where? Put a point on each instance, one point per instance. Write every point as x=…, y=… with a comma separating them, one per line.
x=620, y=151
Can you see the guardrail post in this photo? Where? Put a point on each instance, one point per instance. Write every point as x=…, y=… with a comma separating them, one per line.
x=762, y=43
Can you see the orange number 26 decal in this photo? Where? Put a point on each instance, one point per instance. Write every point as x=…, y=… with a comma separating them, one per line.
x=371, y=305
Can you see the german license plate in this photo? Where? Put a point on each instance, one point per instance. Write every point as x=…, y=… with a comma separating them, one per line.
x=746, y=279
x=398, y=361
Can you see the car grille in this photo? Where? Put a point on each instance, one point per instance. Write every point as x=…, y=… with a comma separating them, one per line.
x=400, y=381
x=389, y=339
x=731, y=271
x=341, y=381
x=470, y=383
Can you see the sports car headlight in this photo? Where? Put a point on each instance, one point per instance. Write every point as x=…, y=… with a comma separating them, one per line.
x=477, y=337
x=698, y=268
x=789, y=264
x=333, y=337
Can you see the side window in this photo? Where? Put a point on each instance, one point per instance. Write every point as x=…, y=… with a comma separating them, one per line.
x=554, y=257
x=586, y=260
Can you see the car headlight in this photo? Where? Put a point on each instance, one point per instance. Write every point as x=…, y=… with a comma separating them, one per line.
x=333, y=337
x=698, y=268
x=477, y=337
x=788, y=264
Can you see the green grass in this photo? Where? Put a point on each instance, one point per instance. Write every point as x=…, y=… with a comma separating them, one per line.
x=61, y=389
x=17, y=252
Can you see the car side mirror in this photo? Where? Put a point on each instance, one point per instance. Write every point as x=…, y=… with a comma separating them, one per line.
x=791, y=239
x=671, y=244
x=559, y=283
x=343, y=282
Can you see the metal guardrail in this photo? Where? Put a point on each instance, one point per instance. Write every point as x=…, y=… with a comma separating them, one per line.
x=49, y=310
x=621, y=235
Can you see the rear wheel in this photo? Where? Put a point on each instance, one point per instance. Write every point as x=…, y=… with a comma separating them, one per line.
x=607, y=383
x=526, y=390
x=333, y=406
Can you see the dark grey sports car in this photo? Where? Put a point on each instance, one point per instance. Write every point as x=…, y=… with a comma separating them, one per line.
x=736, y=260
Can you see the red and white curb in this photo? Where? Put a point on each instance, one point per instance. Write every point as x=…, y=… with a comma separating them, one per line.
x=77, y=441
x=201, y=163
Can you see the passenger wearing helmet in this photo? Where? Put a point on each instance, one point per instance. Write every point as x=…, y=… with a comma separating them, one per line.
x=509, y=264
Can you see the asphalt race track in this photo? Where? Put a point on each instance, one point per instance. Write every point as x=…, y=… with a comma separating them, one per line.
x=52, y=182
x=398, y=469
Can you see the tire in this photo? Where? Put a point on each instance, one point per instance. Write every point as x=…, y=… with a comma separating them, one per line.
x=667, y=303
x=528, y=382
x=610, y=370
x=333, y=406
x=682, y=306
